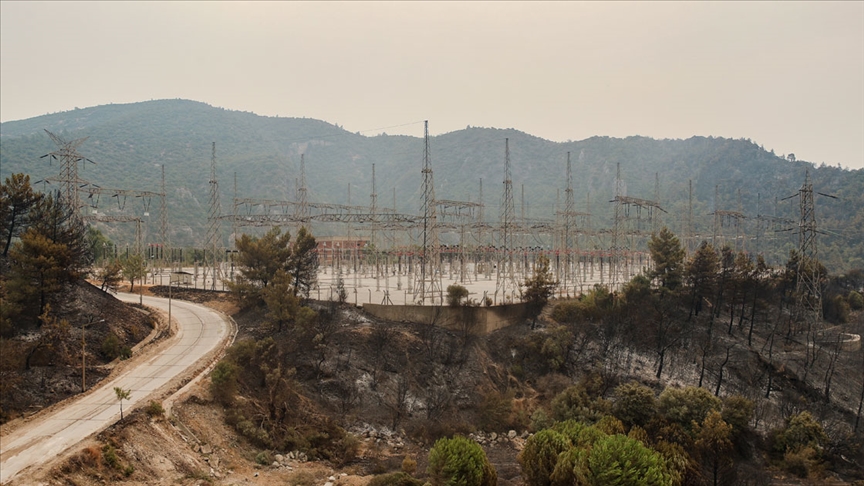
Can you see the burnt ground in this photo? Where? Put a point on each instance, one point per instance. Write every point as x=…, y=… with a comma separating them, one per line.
x=197, y=446
x=113, y=329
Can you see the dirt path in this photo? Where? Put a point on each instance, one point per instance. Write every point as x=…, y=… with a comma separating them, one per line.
x=201, y=335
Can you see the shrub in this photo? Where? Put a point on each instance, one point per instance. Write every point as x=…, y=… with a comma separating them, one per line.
x=264, y=458
x=801, y=462
x=113, y=349
x=540, y=455
x=617, y=459
x=801, y=431
x=575, y=404
x=456, y=294
x=688, y=405
x=737, y=412
x=634, y=404
x=460, y=461
x=395, y=479
x=494, y=411
x=154, y=409
x=409, y=465
x=223, y=381
x=856, y=300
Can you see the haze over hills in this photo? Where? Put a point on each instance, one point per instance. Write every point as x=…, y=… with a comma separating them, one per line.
x=130, y=142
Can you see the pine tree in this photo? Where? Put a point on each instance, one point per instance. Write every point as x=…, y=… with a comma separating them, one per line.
x=668, y=257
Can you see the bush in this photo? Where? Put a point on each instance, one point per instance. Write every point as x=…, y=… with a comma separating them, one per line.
x=801, y=431
x=617, y=459
x=395, y=479
x=575, y=404
x=264, y=458
x=634, y=404
x=460, y=461
x=494, y=411
x=223, y=381
x=856, y=300
x=154, y=409
x=737, y=412
x=409, y=465
x=112, y=348
x=688, y=405
x=540, y=455
x=456, y=294
x=801, y=462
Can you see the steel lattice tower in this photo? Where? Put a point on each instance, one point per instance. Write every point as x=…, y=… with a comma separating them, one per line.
x=214, y=243
x=163, y=218
x=615, y=267
x=69, y=157
x=809, y=304
x=428, y=283
x=302, y=196
x=506, y=275
x=569, y=207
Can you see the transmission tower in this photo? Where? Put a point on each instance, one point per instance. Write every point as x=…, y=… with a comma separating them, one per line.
x=506, y=281
x=163, y=219
x=809, y=303
x=303, y=202
x=615, y=261
x=568, y=222
x=430, y=258
x=214, y=242
x=68, y=156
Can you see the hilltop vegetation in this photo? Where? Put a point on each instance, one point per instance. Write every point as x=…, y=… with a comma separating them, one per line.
x=129, y=143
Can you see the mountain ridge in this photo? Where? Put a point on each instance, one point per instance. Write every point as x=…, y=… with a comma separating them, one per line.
x=130, y=143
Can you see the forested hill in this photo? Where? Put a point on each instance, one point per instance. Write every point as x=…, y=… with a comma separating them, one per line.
x=129, y=144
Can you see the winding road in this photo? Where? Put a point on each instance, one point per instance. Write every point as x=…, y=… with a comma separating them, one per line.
x=200, y=330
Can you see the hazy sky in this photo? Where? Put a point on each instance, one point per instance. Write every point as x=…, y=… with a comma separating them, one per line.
x=789, y=76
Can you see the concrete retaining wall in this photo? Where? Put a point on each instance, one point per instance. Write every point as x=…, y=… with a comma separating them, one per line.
x=476, y=320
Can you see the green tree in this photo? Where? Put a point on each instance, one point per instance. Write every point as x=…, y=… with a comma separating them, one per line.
x=460, y=462
x=539, y=288
x=110, y=276
x=223, y=380
x=714, y=445
x=634, y=404
x=121, y=395
x=134, y=268
x=303, y=263
x=39, y=269
x=618, y=460
x=259, y=259
x=668, y=258
x=702, y=276
x=282, y=304
x=540, y=456
x=686, y=406
x=801, y=430
x=57, y=222
x=17, y=198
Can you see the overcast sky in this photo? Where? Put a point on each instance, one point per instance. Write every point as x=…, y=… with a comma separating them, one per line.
x=789, y=76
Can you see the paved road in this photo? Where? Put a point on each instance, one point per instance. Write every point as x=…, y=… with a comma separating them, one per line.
x=200, y=330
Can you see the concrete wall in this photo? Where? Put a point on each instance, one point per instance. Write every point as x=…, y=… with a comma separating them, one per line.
x=477, y=320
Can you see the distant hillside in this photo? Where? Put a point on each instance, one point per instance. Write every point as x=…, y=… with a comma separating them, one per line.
x=130, y=142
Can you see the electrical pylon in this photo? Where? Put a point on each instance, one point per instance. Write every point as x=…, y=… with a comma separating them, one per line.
x=302, y=196
x=429, y=282
x=809, y=303
x=506, y=279
x=163, y=219
x=214, y=230
x=569, y=207
x=615, y=267
x=68, y=156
